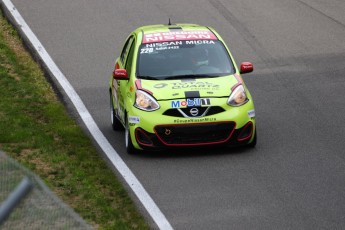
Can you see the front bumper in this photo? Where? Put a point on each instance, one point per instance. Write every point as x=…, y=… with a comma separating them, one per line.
x=190, y=135
x=231, y=126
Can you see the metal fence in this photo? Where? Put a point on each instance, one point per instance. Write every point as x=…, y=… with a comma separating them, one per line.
x=26, y=203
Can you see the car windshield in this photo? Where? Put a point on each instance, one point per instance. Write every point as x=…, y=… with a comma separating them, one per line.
x=183, y=59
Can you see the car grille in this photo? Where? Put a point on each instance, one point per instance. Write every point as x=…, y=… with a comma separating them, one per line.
x=195, y=134
x=205, y=111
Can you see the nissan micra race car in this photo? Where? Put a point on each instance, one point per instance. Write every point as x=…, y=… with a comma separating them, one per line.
x=178, y=86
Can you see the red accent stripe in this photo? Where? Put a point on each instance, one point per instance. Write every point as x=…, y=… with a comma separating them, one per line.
x=244, y=129
x=138, y=86
x=239, y=81
x=138, y=139
x=238, y=78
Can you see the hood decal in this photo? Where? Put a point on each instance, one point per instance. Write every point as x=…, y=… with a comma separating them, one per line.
x=189, y=88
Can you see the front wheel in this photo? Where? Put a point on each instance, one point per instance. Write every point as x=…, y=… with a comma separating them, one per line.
x=129, y=145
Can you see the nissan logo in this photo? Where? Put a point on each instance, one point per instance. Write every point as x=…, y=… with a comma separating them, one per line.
x=167, y=131
x=194, y=112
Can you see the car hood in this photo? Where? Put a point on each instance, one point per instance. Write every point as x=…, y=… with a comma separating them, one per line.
x=190, y=88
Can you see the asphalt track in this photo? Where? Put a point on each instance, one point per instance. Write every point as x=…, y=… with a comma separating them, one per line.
x=295, y=177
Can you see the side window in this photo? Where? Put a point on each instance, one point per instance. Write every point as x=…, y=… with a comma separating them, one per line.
x=126, y=48
x=129, y=60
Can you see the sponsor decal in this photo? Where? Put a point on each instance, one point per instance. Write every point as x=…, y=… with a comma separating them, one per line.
x=160, y=85
x=150, y=50
x=163, y=44
x=193, y=85
x=251, y=113
x=189, y=85
x=158, y=46
x=178, y=36
x=200, y=42
x=190, y=102
x=191, y=120
x=146, y=50
x=133, y=119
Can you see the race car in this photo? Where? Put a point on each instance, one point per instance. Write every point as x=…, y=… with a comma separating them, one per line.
x=178, y=86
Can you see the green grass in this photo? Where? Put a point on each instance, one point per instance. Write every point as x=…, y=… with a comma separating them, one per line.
x=36, y=130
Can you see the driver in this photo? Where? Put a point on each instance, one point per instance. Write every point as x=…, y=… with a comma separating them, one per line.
x=199, y=57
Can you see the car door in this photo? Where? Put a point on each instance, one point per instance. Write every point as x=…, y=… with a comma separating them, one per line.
x=121, y=86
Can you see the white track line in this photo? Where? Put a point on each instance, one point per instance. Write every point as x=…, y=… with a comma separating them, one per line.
x=113, y=156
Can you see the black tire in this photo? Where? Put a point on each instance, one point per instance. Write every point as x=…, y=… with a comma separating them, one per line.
x=129, y=145
x=115, y=123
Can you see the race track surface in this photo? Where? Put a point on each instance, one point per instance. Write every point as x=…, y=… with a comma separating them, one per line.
x=295, y=177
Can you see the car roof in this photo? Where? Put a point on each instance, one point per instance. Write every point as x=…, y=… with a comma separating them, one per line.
x=182, y=31
x=167, y=28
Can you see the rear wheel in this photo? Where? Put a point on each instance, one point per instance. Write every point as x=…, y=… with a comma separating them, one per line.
x=129, y=145
x=115, y=123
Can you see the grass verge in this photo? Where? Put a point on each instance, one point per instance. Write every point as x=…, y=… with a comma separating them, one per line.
x=36, y=130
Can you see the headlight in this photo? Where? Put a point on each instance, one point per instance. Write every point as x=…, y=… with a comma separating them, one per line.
x=238, y=97
x=145, y=101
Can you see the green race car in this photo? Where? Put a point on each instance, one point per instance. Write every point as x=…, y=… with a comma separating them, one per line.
x=178, y=86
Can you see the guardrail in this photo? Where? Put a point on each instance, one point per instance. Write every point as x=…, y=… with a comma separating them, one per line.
x=27, y=203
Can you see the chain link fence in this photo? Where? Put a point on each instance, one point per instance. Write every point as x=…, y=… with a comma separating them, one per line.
x=26, y=203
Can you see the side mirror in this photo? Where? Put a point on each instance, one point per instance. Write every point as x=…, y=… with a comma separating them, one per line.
x=120, y=74
x=246, y=67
